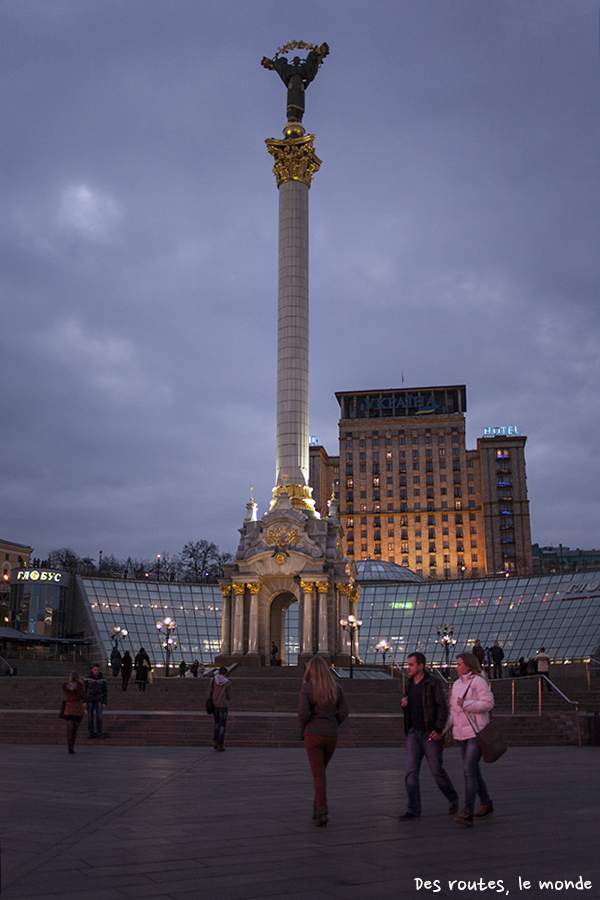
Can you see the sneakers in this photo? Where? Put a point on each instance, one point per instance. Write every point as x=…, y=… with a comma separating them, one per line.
x=465, y=818
x=453, y=809
x=408, y=815
x=484, y=811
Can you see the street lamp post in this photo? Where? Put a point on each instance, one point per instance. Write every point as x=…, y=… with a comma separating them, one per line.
x=384, y=649
x=168, y=643
x=446, y=640
x=158, y=566
x=117, y=635
x=352, y=626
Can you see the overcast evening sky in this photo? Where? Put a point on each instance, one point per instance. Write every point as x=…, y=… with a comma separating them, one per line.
x=454, y=238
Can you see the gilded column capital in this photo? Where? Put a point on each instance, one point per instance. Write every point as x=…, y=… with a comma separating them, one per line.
x=295, y=159
x=226, y=590
x=254, y=588
x=355, y=593
x=344, y=589
x=322, y=586
x=300, y=496
x=239, y=588
x=307, y=586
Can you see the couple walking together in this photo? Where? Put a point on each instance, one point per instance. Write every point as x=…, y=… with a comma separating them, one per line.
x=426, y=722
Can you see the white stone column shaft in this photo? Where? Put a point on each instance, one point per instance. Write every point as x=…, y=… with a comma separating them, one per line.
x=292, y=335
x=238, y=623
x=307, y=620
x=323, y=642
x=253, y=625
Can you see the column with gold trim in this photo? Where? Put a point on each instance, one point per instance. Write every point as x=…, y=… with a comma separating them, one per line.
x=226, y=620
x=323, y=588
x=238, y=619
x=295, y=165
x=308, y=588
x=253, y=588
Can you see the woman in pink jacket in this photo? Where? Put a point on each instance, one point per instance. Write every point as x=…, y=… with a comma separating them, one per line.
x=470, y=704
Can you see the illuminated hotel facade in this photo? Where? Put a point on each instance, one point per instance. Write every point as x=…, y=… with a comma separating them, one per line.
x=410, y=492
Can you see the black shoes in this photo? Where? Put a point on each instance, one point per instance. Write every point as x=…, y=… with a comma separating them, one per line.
x=465, y=818
x=485, y=811
x=322, y=817
x=408, y=815
x=453, y=809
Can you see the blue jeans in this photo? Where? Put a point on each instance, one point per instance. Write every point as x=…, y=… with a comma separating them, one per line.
x=418, y=745
x=95, y=707
x=220, y=717
x=474, y=783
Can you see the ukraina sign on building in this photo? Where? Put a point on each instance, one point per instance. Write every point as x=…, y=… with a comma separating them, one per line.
x=398, y=404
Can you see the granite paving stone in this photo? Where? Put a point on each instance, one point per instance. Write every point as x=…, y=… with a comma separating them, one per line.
x=181, y=823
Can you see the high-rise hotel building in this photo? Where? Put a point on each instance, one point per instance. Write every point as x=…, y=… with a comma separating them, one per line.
x=410, y=492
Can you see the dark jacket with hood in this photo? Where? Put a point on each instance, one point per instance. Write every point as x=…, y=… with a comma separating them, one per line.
x=435, y=707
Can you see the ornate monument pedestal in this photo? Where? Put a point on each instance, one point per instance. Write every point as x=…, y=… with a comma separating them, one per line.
x=290, y=555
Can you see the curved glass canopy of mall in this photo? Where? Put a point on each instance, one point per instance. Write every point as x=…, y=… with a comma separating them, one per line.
x=559, y=612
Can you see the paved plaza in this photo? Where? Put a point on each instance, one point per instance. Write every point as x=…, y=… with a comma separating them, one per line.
x=122, y=823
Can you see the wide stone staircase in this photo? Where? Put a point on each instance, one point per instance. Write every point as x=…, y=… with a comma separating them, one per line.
x=263, y=712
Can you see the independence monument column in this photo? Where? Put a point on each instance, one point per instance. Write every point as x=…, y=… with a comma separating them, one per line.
x=290, y=556
x=295, y=165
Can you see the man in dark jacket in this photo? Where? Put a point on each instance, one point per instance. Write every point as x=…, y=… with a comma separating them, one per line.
x=425, y=717
x=497, y=657
x=96, y=695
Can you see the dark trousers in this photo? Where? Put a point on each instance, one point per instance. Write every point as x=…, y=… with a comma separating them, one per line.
x=497, y=670
x=94, y=710
x=418, y=745
x=319, y=748
x=220, y=717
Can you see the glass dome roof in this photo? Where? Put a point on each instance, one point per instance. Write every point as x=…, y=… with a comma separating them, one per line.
x=379, y=570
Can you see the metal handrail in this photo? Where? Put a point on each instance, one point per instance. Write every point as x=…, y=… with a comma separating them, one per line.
x=553, y=686
x=6, y=663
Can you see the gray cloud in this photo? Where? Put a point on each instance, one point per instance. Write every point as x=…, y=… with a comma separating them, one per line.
x=454, y=235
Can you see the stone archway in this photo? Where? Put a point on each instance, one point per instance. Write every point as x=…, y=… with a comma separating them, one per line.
x=277, y=616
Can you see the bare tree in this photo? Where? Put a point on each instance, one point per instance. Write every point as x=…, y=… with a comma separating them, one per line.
x=64, y=558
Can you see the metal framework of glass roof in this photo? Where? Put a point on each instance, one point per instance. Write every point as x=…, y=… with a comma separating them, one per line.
x=559, y=612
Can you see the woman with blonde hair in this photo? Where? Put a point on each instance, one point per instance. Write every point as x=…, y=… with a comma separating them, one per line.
x=470, y=704
x=74, y=692
x=322, y=708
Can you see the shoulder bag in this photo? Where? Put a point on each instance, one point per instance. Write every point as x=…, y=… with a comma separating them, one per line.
x=490, y=740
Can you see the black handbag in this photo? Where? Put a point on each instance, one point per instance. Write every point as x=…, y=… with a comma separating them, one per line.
x=210, y=703
x=61, y=714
